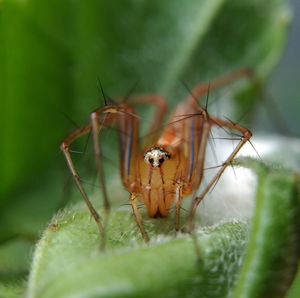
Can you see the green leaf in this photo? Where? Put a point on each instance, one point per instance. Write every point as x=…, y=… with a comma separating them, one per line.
x=14, y=259
x=11, y=290
x=166, y=268
x=295, y=289
x=169, y=267
x=273, y=252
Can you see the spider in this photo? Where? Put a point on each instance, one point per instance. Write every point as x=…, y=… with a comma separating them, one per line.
x=170, y=166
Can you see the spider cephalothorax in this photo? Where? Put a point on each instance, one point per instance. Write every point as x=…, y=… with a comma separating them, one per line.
x=156, y=156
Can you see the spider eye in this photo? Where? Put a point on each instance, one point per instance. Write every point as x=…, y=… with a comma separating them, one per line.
x=151, y=160
x=161, y=160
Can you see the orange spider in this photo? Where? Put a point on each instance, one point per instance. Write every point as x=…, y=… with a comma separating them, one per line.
x=168, y=168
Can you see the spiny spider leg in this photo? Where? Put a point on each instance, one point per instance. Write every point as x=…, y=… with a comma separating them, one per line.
x=209, y=121
x=65, y=147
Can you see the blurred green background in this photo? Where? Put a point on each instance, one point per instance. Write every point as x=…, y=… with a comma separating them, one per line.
x=283, y=82
x=53, y=53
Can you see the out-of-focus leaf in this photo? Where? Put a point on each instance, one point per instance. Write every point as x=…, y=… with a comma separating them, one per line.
x=52, y=55
x=12, y=290
x=34, y=88
x=168, y=267
x=273, y=252
x=295, y=289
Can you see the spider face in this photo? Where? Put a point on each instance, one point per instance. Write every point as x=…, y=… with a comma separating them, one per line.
x=156, y=156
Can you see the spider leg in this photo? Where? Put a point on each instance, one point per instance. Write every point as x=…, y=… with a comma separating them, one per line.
x=138, y=217
x=203, y=89
x=246, y=135
x=198, y=134
x=96, y=127
x=199, y=130
x=192, y=125
x=161, y=110
x=65, y=147
x=130, y=149
x=178, y=202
